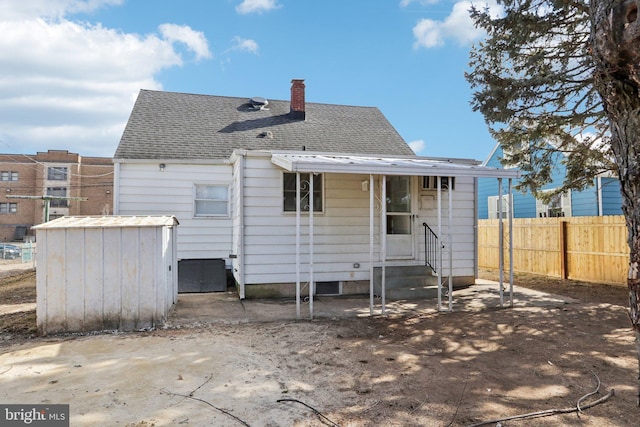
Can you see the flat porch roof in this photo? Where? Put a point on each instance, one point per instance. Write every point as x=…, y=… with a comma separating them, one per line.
x=386, y=165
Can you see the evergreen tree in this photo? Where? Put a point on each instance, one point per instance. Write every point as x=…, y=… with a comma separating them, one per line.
x=564, y=75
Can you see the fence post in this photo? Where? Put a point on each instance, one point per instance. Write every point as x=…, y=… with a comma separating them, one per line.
x=562, y=238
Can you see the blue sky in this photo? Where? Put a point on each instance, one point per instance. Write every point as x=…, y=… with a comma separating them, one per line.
x=71, y=69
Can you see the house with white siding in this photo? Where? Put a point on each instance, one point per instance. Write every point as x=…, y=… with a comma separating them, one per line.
x=298, y=198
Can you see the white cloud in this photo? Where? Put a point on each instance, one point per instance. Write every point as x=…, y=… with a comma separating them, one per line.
x=457, y=26
x=259, y=6
x=194, y=40
x=70, y=85
x=14, y=10
x=245, y=45
x=417, y=146
x=405, y=3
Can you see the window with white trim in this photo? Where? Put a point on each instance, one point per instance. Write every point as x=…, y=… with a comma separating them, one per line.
x=58, y=192
x=558, y=206
x=8, y=176
x=211, y=200
x=493, y=206
x=289, y=192
x=8, y=208
x=431, y=182
x=57, y=173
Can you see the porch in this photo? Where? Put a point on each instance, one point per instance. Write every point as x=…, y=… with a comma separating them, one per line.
x=396, y=207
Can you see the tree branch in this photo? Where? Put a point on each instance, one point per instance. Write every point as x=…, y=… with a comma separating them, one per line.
x=547, y=413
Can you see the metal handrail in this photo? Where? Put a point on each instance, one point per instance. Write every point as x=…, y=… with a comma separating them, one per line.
x=430, y=247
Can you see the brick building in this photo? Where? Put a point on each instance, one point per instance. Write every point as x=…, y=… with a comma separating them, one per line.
x=54, y=173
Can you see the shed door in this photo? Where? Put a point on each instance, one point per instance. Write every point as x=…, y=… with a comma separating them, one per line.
x=400, y=230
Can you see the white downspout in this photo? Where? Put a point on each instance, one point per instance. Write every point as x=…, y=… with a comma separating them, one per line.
x=241, y=226
x=371, y=241
x=600, y=206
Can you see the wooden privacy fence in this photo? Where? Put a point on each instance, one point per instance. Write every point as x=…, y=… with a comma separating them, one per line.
x=592, y=249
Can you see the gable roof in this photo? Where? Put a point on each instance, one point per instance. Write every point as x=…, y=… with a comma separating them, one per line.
x=169, y=125
x=491, y=154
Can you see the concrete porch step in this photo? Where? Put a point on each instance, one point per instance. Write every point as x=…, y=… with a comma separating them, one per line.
x=412, y=293
x=400, y=277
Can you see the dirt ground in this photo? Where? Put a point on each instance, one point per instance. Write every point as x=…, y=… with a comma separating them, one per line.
x=442, y=369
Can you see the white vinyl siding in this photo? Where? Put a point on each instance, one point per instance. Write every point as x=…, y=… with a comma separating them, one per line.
x=462, y=235
x=341, y=232
x=145, y=190
x=267, y=249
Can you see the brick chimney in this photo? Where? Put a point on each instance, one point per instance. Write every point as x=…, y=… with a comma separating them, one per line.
x=297, y=110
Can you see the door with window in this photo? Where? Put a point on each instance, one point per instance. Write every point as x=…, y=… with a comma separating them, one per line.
x=400, y=227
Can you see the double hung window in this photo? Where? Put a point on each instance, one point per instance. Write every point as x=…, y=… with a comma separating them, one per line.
x=211, y=200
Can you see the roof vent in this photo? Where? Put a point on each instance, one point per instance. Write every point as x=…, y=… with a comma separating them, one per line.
x=258, y=102
x=266, y=134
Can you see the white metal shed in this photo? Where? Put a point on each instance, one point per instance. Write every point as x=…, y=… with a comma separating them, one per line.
x=110, y=272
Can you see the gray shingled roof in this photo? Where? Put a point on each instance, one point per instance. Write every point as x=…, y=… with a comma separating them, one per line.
x=168, y=125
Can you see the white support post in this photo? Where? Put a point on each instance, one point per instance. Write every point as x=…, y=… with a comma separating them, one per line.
x=440, y=245
x=298, y=245
x=500, y=243
x=311, y=283
x=383, y=243
x=510, y=242
x=450, y=238
x=371, y=241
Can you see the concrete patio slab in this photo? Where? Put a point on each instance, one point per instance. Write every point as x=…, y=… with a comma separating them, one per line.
x=226, y=308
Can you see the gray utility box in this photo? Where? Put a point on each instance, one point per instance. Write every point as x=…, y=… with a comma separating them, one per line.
x=202, y=275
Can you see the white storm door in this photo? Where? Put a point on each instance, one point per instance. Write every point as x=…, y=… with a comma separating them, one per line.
x=399, y=233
